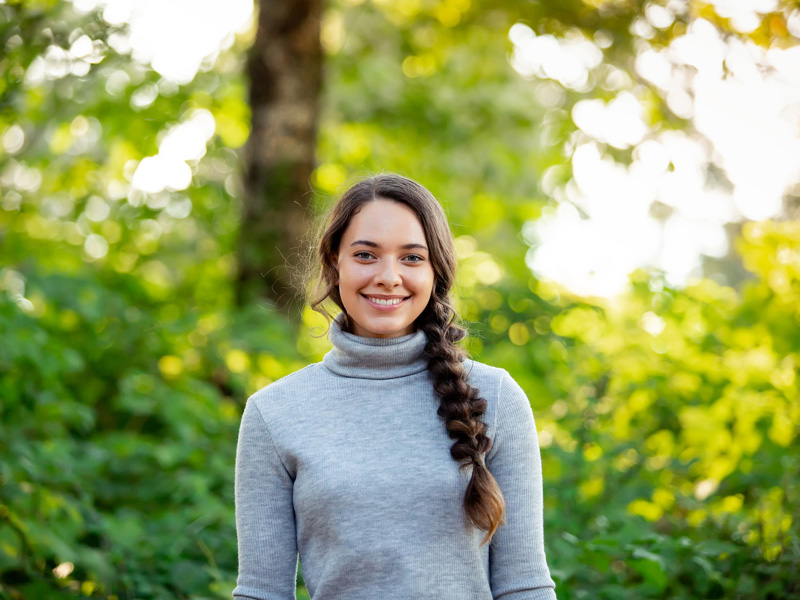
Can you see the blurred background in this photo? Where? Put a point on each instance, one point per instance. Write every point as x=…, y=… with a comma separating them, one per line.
x=623, y=181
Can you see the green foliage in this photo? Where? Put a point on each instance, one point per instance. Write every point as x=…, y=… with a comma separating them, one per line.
x=668, y=422
x=120, y=439
x=122, y=371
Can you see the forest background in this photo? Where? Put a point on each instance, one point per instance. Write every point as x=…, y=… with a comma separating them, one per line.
x=151, y=196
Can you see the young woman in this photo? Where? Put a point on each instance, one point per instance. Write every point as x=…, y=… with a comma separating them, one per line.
x=389, y=465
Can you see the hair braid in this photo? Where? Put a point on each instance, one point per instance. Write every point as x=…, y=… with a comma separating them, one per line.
x=460, y=406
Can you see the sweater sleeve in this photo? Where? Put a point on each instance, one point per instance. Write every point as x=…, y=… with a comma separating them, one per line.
x=517, y=563
x=265, y=522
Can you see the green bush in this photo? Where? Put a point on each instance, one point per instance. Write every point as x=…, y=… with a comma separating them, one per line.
x=117, y=475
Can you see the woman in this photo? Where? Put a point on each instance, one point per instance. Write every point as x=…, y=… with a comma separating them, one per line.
x=389, y=465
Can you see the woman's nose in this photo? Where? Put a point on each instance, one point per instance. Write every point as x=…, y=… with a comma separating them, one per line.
x=389, y=273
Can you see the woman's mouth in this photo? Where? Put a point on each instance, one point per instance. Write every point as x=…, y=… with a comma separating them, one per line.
x=385, y=303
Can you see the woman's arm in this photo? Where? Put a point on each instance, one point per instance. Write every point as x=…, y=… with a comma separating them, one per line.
x=265, y=523
x=517, y=563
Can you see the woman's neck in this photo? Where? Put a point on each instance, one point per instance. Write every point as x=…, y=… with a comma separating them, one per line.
x=375, y=358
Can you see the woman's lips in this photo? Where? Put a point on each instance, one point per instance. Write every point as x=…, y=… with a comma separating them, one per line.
x=384, y=307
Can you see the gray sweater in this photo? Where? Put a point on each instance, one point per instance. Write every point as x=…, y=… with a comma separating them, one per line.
x=347, y=464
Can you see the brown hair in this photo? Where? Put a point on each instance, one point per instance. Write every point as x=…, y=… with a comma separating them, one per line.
x=460, y=403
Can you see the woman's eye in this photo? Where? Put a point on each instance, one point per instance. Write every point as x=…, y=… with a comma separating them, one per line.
x=415, y=258
x=363, y=255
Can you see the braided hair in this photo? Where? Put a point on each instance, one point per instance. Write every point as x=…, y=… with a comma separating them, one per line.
x=460, y=404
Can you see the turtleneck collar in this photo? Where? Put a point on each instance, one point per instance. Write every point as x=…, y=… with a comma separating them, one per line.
x=375, y=358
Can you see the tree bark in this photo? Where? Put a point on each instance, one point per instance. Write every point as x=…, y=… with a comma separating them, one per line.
x=285, y=72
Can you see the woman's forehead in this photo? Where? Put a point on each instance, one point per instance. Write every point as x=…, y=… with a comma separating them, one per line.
x=383, y=223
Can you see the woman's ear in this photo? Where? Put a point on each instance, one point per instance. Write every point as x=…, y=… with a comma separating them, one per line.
x=335, y=266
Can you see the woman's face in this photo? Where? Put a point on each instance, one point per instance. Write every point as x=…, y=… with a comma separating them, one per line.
x=385, y=273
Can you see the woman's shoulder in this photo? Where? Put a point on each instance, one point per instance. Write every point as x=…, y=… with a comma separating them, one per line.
x=482, y=373
x=290, y=386
x=496, y=384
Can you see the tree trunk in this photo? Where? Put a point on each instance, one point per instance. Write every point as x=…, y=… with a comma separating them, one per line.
x=285, y=71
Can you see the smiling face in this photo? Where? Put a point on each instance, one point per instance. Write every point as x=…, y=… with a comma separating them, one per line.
x=385, y=272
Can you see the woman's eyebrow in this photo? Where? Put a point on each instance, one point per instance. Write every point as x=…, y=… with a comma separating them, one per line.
x=374, y=245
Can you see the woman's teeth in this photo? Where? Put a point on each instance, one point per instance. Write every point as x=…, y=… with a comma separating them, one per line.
x=389, y=302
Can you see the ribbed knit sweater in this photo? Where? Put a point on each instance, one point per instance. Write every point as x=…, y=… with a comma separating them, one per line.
x=347, y=464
